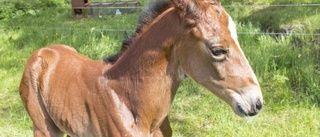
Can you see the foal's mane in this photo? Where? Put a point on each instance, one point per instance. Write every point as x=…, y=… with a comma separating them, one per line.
x=151, y=12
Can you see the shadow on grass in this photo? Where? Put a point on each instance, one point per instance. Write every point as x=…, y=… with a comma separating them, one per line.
x=283, y=18
x=182, y=127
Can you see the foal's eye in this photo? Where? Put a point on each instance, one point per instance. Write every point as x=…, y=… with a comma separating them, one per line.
x=218, y=51
x=219, y=54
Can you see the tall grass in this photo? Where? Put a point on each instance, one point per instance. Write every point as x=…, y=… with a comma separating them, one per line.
x=287, y=66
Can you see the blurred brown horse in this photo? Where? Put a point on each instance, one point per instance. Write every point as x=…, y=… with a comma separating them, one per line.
x=130, y=94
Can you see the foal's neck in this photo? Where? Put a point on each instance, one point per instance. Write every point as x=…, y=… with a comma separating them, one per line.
x=151, y=52
x=147, y=73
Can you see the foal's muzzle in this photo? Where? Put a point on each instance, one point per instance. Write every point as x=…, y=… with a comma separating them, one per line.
x=254, y=110
x=248, y=101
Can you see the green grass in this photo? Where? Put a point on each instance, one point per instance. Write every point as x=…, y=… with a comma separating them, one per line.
x=288, y=68
x=215, y=118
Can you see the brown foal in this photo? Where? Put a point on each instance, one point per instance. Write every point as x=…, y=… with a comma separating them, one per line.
x=131, y=93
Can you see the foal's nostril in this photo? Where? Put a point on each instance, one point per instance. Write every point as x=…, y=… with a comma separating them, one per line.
x=241, y=110
x=255, y=108
x=258, y=105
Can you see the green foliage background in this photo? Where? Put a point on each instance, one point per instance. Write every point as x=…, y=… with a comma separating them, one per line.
x=287, y=66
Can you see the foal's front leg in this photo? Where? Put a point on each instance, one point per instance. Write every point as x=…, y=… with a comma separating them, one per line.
x=164, y=130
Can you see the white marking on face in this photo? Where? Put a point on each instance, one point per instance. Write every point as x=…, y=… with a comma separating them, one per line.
x=234, y=36
x=233, y=31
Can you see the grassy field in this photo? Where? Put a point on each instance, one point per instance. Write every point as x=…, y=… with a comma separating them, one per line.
x=287, y=66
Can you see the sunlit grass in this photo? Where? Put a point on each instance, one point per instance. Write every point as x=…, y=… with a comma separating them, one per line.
x=288, y=69
x=200, y=114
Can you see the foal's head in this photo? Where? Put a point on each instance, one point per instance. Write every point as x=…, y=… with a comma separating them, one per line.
x=211, y=55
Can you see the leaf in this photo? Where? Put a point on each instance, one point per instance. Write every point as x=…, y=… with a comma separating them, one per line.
x=31, y=12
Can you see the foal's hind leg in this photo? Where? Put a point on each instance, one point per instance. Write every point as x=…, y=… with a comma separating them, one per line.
x=43, y=126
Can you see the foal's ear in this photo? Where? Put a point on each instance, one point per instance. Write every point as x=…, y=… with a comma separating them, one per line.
x=192, y=5
x=186, y=7
x=180, y=4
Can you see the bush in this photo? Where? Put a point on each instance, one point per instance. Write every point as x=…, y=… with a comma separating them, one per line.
x=18, y=8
